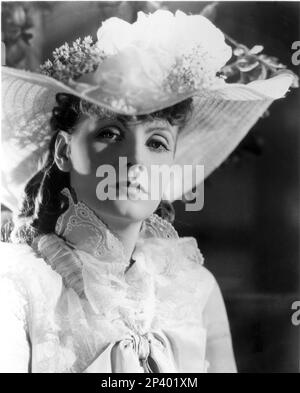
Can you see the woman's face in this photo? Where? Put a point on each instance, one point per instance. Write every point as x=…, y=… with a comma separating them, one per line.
x=96, y=143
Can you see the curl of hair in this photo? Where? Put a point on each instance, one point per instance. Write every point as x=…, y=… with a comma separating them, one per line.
x=43, y=202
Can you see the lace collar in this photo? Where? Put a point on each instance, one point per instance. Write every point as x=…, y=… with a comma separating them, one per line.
x=149, y=293
x=82, y=229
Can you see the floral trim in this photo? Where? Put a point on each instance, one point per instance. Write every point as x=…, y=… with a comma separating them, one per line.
x=187, y=66
x=195, y=66
x=71, y=62
x=251, y=64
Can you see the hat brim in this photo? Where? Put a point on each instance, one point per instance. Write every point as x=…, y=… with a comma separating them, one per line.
x=221, y=118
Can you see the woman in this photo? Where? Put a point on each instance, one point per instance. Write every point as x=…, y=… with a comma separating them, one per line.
x=106, y=285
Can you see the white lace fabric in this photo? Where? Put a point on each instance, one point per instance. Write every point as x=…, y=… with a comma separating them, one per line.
x=86, y=310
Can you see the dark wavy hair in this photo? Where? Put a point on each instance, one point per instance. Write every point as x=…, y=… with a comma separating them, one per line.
x=43, y=202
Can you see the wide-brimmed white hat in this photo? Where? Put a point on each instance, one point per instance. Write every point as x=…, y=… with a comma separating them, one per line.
x=133, y=69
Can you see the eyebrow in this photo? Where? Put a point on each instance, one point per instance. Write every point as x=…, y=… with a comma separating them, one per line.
x=161, y=128
x=124, y=123
x=105, y=122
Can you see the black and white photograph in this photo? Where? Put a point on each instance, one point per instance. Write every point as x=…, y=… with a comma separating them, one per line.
x=150, y=189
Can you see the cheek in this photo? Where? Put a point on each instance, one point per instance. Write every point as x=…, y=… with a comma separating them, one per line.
x=158, y=175
x=87, y=155
x=163, y=158
x=81, y=156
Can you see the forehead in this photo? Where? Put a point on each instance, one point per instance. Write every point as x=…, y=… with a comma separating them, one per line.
x=99, y=119
x=95, y=116
x=147, y=122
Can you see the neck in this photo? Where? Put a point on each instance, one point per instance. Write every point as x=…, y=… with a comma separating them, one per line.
x=111, y=239
x=126, y=231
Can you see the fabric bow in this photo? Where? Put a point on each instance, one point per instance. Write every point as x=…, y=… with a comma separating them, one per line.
x=147, y=353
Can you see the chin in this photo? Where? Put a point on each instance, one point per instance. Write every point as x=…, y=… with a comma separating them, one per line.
x=131, y=210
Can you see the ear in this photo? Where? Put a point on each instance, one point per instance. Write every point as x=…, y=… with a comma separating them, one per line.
x=62, y=151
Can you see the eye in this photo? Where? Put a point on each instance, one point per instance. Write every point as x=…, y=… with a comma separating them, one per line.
x=109, y=133
x=158, y=145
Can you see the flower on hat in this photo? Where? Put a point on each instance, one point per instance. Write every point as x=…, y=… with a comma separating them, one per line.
x=177, y=50
x=160, y=51
x=71, y=61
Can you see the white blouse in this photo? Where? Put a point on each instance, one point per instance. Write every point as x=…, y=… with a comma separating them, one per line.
x=71, y=303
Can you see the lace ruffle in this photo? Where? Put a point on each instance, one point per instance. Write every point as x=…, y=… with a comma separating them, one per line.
x=62, y=260
x=180, y=280
x=99, y=301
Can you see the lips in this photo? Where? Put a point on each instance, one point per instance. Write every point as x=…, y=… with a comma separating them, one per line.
x=131, y=184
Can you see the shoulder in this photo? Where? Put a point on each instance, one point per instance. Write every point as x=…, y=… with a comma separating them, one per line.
x=195, y=279
x=197, y=274
x=180, y=261
x=18, y=258
x=22, y=269
x=183, y=285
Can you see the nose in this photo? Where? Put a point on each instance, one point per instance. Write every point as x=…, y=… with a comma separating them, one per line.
x=135, y=153
x=136, y=169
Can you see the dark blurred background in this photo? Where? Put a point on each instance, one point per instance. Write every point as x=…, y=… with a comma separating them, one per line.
x=248, y=229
